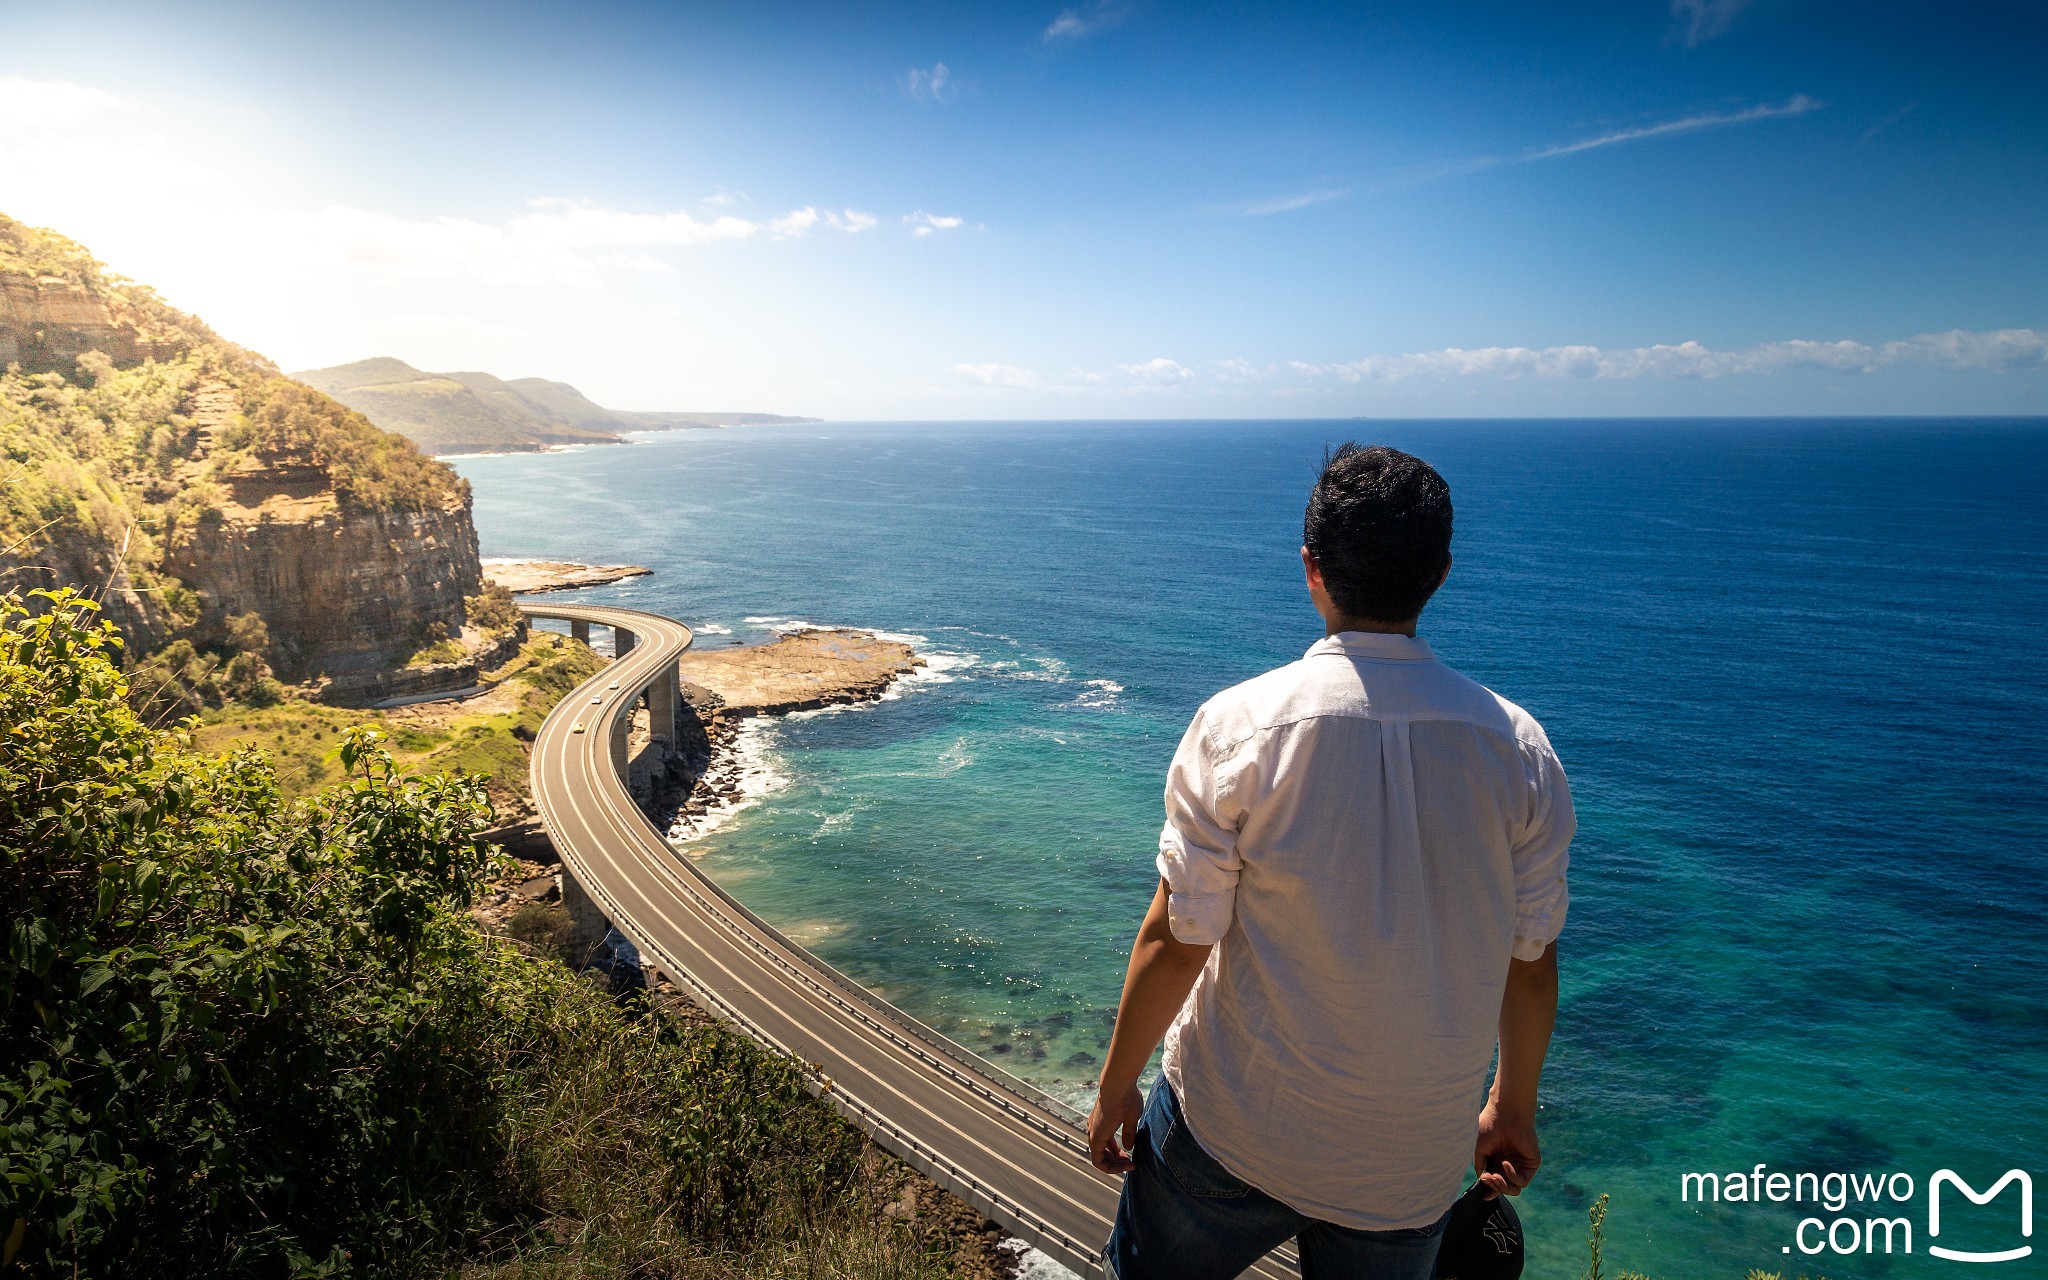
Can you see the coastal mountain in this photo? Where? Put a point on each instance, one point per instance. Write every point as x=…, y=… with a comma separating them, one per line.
x=478, y=413
x=234, y=524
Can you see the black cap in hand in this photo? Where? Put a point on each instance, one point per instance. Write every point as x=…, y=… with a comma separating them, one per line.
x=1483, y=1240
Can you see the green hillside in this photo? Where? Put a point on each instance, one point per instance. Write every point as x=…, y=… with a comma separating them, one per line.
x=480, y=413
x=463, y=412
x=133, y=438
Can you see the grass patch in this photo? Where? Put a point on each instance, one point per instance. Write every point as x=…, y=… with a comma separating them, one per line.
x=303, y=739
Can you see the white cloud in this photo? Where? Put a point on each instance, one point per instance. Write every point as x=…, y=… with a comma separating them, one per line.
x=1704, y=19
x=933, y=84
x=793, y=223
x=76, y=154
x=1011, y=376
x=56, y=104
x=923, y=224
x=1288, y=204
x=563, y=241
x=1160, y=372
x=1085, y=20
x=2002, y=350
x=798, y=221
x=1236, y=370
x=1797, y=105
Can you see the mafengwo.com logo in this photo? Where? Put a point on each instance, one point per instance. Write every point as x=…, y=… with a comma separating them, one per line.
x=1876, y=1213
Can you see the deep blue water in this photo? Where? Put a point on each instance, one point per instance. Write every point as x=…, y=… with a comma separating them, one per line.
x=1793, y=668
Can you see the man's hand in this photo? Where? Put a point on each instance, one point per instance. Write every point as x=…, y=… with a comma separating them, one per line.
x=1506, y=1156
x=1113, y=1130
x=1163, y=970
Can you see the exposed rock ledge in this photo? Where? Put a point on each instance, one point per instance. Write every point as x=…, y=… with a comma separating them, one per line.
x=722, y=687
x=805, y=669
x=526, y=577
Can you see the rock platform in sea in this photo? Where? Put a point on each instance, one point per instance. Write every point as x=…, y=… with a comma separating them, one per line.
x=528, y=577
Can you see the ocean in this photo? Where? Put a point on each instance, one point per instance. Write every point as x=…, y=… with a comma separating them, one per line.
x=1794, y=669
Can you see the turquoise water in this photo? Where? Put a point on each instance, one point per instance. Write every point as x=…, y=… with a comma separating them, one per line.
x=1793, y=669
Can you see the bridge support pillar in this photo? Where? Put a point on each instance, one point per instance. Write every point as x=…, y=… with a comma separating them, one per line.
x=662, y=697
x=579, y=631
x=587, y=924
x=621, y=726
x=622, y=642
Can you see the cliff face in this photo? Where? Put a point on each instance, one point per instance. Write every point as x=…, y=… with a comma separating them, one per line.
x=234, y=523
x=342, y=594
x=47, y=322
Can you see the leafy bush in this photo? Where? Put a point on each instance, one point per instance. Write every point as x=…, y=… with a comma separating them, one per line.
x=492, y=610
x=246, y=1036
x=239, y=1032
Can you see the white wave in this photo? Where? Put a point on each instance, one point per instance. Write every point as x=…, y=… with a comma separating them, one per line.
x=753, y=765
x=956, y=757
x=711, y=629
x=1045, y=667
x=1033, y=1265
x=834, y=821
x=1097, y=695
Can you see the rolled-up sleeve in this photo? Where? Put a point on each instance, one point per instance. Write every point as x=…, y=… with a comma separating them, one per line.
x=1198, y=856
x=1542, y=854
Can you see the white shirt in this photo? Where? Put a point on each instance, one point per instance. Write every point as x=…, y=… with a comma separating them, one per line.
x=1367, y=836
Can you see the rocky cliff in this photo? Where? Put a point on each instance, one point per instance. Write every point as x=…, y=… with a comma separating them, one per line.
x=234, y=523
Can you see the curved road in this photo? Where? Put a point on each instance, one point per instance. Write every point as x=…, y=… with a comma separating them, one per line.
x=991, y=1139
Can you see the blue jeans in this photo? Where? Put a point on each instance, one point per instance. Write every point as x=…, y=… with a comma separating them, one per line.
x=1183, y=1216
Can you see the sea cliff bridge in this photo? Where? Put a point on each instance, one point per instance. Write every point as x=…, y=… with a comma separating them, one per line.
x=1004, y=1147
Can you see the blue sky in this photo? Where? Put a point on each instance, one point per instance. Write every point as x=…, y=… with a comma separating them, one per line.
x=1090, y=210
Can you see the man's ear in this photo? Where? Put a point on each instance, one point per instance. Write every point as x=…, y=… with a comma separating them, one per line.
x=1443, y=577
x=1313, y=570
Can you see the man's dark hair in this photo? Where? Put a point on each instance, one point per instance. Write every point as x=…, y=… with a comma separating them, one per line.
x=1379, y=526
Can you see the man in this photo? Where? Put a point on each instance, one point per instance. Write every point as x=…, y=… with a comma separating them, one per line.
x=1362, y=883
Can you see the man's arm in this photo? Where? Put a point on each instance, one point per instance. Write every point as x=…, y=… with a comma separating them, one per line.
x=1163, y=970
x=1506, y=1157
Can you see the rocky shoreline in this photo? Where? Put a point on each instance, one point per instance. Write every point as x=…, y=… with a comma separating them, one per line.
x=703, y=780
x=805, y=670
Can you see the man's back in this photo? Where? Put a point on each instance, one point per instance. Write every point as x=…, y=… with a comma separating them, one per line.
x=1367, y=835
x=1361, y=886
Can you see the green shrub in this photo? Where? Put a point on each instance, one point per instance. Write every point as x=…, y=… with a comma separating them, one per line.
x=252, y=1037
x=492, y=610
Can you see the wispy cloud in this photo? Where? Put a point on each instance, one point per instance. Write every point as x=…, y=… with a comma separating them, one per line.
x=1797, y=105
x=922, y=224
x=1288, y=204
x=1159, y=372
x=798, y=221
x=1085, y=20
x=1884, y=124
x=1699, y=21
x=1998, y=350
x=930, y=84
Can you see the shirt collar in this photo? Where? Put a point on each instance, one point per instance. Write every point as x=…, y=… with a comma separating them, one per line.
x=1374, y=644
